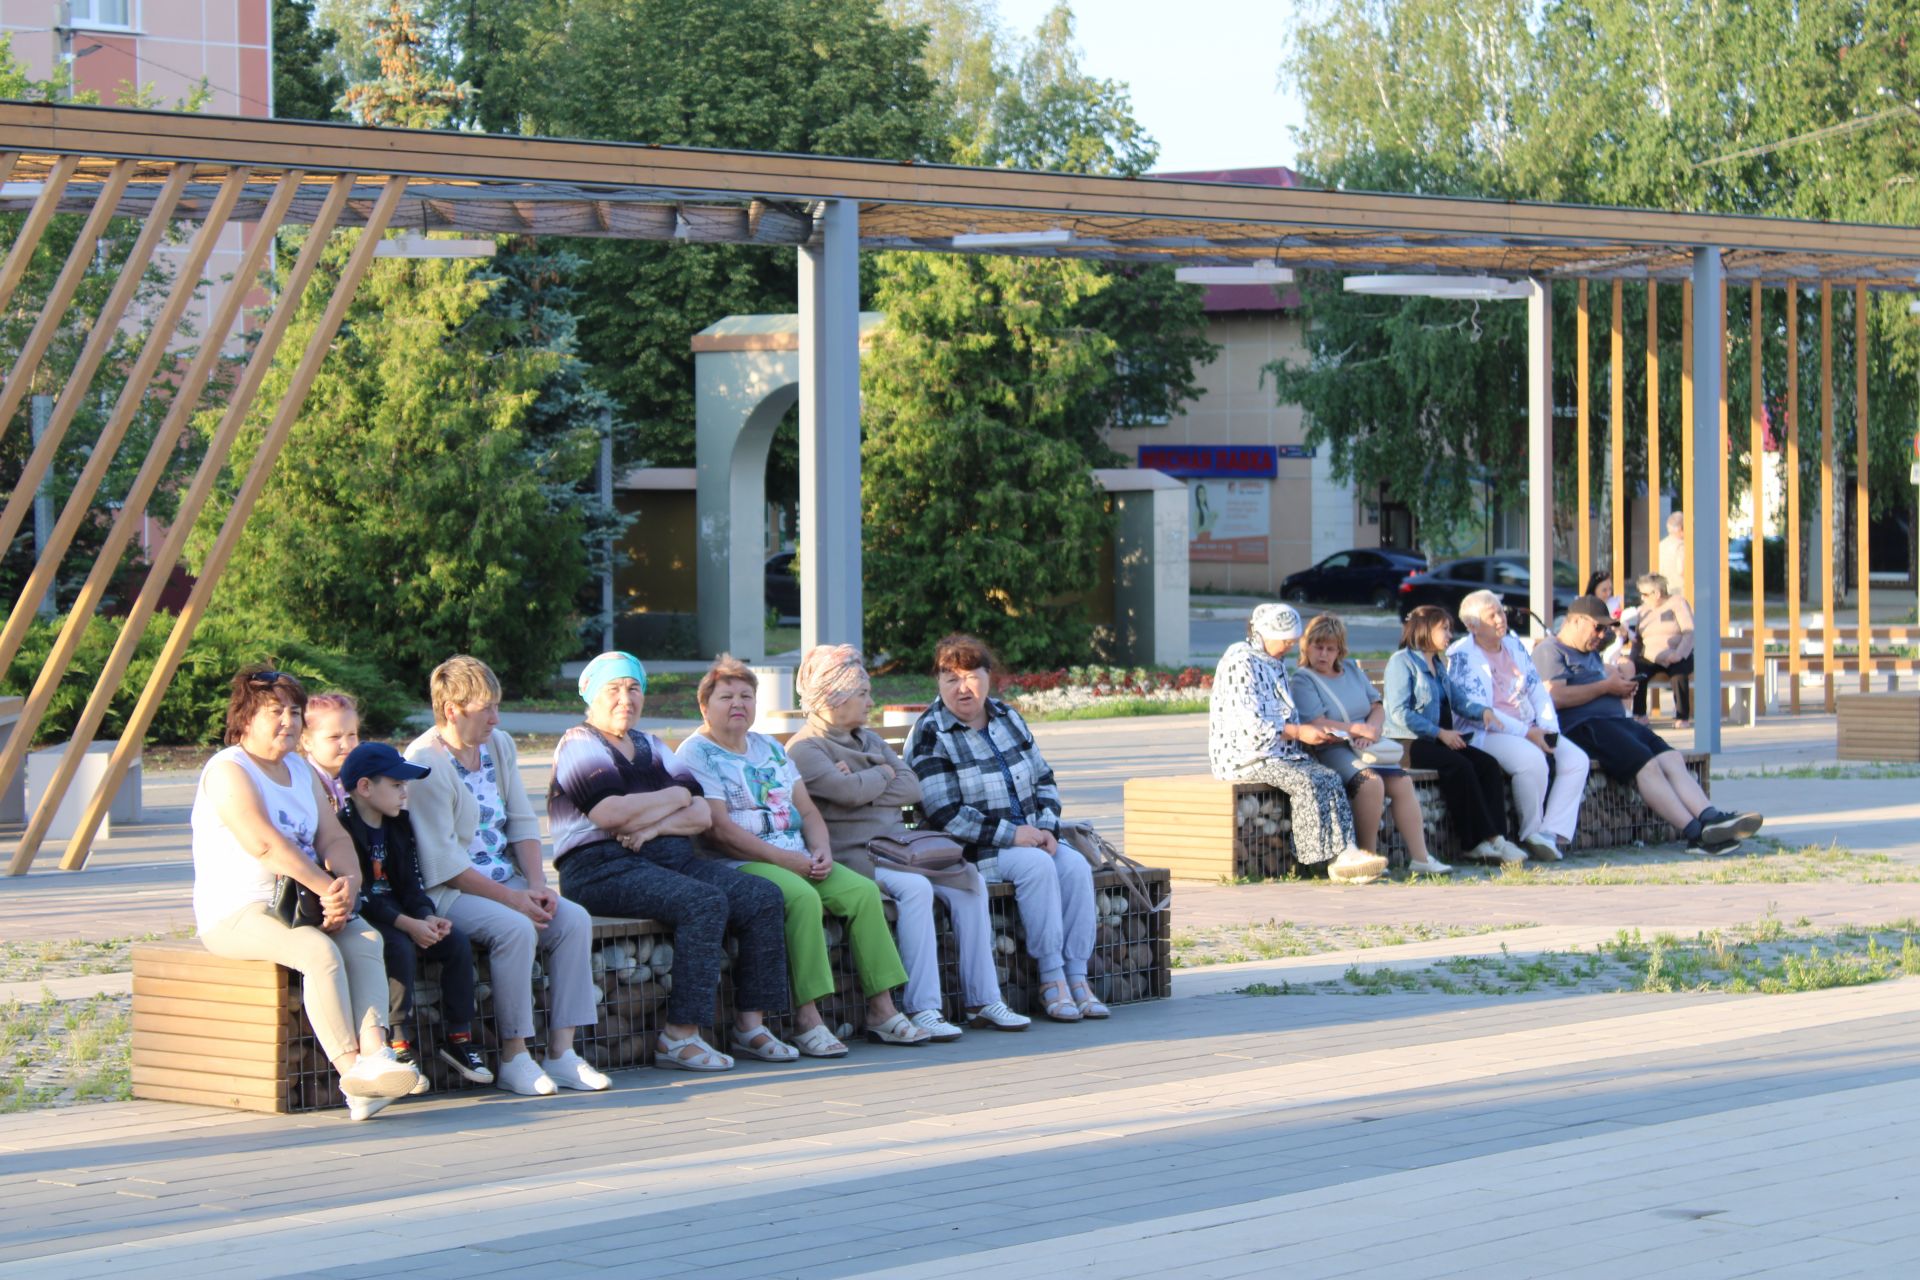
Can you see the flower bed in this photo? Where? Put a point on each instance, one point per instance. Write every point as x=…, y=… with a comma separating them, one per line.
x=1073, y=689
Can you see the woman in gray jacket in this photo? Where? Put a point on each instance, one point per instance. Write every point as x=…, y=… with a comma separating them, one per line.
x=860, y=786
x=484, y=867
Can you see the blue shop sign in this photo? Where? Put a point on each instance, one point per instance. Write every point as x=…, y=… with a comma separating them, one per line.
x=1238, y=461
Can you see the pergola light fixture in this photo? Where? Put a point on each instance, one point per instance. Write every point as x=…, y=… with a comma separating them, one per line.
x=420, y=246
x=1460, y=288
x=1246, y=273
x=21, y=190
x=1012, y=239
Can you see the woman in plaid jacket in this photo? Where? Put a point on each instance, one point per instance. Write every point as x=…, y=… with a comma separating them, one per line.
x=985, y=783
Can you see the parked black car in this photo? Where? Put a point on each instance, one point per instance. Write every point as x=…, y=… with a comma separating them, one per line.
x=1452, y=581
x=1370, y=575
x=783, y=588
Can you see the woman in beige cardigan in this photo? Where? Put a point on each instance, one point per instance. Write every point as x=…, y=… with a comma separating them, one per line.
x=860, y=786
x=1666, y=647
x=483, y=865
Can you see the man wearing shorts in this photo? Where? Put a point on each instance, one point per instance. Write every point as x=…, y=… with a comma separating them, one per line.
x=1587, y=694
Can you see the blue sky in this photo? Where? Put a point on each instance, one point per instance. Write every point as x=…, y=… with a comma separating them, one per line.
x=1204, y=73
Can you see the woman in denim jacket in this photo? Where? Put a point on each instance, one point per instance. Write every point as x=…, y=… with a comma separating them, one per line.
x=1422, y=707
x=1491, y=666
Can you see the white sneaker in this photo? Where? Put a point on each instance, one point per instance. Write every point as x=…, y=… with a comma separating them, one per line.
x=365, y=1108
x=378, y=1075
x=1540, y=845
x=1431, y=867
x=937, y=1028
x=571, y=1071
x=1357, y=866
x=518, y=1075
x=998, y=1016
x=1494, y=849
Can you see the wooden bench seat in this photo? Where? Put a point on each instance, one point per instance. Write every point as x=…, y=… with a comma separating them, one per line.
x=1878, y=726
x=1201, y=828
x=231, y=1033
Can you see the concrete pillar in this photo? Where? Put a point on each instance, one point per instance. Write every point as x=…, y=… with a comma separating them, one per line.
x=1540, y=452
x=830, y=596
x=1703, y=523
x=739, y=400
x=1150, y=578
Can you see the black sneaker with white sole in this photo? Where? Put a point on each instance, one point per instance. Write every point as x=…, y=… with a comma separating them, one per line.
x=1718, y=825
x=1713, y=848
x=466, y=1059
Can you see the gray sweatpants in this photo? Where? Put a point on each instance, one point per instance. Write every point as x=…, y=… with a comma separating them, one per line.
x=510, y=940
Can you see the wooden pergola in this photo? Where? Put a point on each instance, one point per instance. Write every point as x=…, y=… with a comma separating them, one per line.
x=167, y=168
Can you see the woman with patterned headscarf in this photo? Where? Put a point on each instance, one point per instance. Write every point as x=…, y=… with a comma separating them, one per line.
x=860, y=786
x=1256, y=734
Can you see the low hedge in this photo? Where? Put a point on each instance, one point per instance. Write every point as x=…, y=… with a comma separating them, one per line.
x=195, y=709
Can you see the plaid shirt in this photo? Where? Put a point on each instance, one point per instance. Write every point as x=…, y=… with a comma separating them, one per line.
x=963, y=790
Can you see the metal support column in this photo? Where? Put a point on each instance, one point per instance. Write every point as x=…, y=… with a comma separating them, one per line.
x=1704, y=520
x=830, y=430
x=1540, y=452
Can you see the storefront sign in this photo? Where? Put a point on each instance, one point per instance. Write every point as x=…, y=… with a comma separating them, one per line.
x=1228, y=521
x=1246, y=461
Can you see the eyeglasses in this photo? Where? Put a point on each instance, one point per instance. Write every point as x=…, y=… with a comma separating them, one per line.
x=268, y=679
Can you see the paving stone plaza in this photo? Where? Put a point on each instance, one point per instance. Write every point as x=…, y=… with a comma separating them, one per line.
x=1558, y=1132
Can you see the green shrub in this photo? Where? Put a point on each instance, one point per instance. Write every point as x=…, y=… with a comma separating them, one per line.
x=194, y=710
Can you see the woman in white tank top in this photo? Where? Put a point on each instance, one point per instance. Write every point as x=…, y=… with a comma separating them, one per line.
x=259, y=813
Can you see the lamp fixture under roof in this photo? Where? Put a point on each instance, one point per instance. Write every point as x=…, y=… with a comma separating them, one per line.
x=1460, y=288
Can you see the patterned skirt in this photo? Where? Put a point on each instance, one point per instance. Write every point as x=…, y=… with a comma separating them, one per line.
x=1317, y=798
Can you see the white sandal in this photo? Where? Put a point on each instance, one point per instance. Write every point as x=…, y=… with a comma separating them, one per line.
x=667, y=1054
x=761, y=1043
x=818, y=1042
x=899, y=1029
x=1062, y=1009
x=1090, y=1005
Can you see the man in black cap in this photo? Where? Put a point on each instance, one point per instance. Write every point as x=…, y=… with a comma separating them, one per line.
x=1587, y=694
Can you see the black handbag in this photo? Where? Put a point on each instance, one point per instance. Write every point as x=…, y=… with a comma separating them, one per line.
x=293, y=904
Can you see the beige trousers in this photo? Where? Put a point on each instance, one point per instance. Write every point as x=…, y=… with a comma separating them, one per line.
x=344, y=974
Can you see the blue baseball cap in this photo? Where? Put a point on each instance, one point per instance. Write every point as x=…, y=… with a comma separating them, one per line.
x=378, y=760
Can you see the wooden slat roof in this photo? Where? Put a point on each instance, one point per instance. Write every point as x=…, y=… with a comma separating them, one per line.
x=543, y=186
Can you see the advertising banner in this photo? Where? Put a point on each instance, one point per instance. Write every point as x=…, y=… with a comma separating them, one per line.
x=1228, y=521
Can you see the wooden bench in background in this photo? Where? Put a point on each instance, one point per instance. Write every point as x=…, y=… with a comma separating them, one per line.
x=1201, y=828
x=231, y=1033
x=1878, y=726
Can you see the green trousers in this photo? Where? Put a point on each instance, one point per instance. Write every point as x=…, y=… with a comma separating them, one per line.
x=853, y=898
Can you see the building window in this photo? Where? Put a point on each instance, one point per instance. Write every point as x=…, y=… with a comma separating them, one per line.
x=101, y=13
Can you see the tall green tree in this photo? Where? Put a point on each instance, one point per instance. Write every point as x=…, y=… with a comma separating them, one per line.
x=305, y=87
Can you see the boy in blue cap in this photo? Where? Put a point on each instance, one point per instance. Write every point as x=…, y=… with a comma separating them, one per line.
x=375, y=778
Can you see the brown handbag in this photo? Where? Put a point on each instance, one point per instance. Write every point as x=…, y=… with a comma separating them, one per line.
x=1102, y=856
x=916, y=849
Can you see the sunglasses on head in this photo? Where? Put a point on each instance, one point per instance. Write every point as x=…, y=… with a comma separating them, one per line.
x=267, y=679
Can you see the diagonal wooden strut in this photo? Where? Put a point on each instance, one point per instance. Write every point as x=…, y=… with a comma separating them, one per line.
x=175, y=649
x=258, y=363
x=55, y=310
x=186, y=285
x=20, y=256
x=106, y=331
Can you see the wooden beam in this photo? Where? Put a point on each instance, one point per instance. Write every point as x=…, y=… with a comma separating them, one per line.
x=1583, y=512
x=1654, y=489
x=186, y=284
x=1792, y=469
x=79, y=385
x=55, y=309
x=1690, y=570
x=229, y=536
x=20, y=253
x=1862, y=495
x=1757, y=471
x=1828, y=541
x=211, y=464
x=1617, y=502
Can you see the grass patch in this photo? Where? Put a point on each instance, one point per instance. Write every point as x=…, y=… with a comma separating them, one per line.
x=1762, y=861
x=1279, y=939
x=58, y=1052
x=1832, y=772
x=71, y=957
x=1767, y=957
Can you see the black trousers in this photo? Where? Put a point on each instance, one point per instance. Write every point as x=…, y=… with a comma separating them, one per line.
x=1682, y=673
x=701, y=898
x=1472, y=781
x=455, y=955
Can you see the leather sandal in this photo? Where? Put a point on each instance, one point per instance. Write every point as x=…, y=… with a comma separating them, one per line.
x=818, y=1042
x=667, y=1054
x=1061, y=1008
x=1088, y=1003
x=899, y=1029
x=761, y=1043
